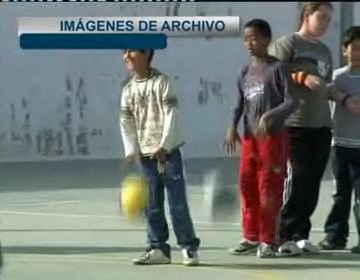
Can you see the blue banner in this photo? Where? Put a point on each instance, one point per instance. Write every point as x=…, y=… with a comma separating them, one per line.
x=93, y=41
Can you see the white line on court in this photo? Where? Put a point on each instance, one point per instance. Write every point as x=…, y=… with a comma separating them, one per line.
x=3, y=212
x=254, y=274
x=41, y=203
x=26, y=213
x=59, y=215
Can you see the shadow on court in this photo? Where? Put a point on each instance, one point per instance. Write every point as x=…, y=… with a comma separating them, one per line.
x=283, y=266
x=69, y=250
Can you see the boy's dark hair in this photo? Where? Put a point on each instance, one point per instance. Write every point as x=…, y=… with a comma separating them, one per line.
x=350, y=35
x=150, y=56
x=262, y=26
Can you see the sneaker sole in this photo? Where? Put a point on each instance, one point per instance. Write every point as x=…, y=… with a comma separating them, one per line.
x=294, y=254
x=248, y=252
x=335, y=248
x=191, y=264
x=150, y=263
x=308, y=252
x=267, y=257
x=258, y=254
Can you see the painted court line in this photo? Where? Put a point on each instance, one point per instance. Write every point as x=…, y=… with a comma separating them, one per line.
x=26, y=213
x=58, y=215
x=56, y=202
x=255, y=274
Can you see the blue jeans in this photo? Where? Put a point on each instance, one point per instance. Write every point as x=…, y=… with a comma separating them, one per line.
x=174, y=182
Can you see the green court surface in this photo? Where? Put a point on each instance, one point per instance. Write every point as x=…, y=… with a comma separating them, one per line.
x=78, y=233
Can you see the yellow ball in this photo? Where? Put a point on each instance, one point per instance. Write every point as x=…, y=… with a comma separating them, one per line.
x=134, y=196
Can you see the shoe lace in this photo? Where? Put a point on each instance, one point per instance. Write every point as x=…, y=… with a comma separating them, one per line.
x=145, y=254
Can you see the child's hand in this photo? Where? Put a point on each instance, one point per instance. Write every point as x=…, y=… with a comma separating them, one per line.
x=161, y=154
x=132, y=159
x=264, y=125
x=353, y=104
x=230, y=141
x=313, y=82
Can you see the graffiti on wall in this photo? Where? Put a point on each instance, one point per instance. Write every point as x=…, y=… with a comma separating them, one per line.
x=172, y=9
x=209, y=89
x=69, y=136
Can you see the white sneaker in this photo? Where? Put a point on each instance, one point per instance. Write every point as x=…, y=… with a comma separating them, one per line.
x=152, y=256
x=307, y=247
x=289, y=248
x=190, y=258
x=266, y=251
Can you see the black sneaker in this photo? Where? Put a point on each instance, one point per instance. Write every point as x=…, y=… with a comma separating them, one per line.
x=245, y=247
x=326, y=245
x=355, y=250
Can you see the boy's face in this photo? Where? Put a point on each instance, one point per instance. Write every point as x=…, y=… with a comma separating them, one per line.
x=352, y=53
x=136, y=60
x=255, y=43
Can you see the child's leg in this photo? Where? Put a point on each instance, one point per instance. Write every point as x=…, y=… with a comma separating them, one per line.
x=157, y=228
x=249, y=195
x=308, y=157
x=357, y=213
x=272, y=170
x=355, y=175
x=337, y=223
x=179, y=210
x=1, y=259
x=356, y=249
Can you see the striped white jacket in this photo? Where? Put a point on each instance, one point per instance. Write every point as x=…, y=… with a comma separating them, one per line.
x=149, y=115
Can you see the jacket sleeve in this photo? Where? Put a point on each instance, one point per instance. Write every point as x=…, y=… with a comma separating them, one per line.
x=127, y=126
x=170, y=110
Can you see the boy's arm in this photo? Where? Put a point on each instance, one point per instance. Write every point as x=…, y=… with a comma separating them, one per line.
x=291, y=100
x=239, y=107
x=128, y=127
x=282, y=49
x=337, y=95
x=341, y=97
x=333, y=91
x=170, y=109
x=334, y=94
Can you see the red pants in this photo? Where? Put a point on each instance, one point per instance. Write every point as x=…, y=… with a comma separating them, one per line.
x=262, y=175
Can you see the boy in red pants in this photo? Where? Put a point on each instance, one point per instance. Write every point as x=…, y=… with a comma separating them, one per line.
x=264, y=103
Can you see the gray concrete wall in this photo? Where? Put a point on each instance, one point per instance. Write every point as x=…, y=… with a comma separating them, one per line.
x=34, y=84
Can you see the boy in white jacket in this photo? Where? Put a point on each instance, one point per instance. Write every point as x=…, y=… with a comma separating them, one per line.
x=148, y=122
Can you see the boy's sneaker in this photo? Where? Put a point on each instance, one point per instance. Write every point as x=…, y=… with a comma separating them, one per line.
x=266, y=251
x=190, y=257
x=245, y=247
x=326, y=245
x=356, y=249
x=152, y=256
x=308, y=247
x=289, y=248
